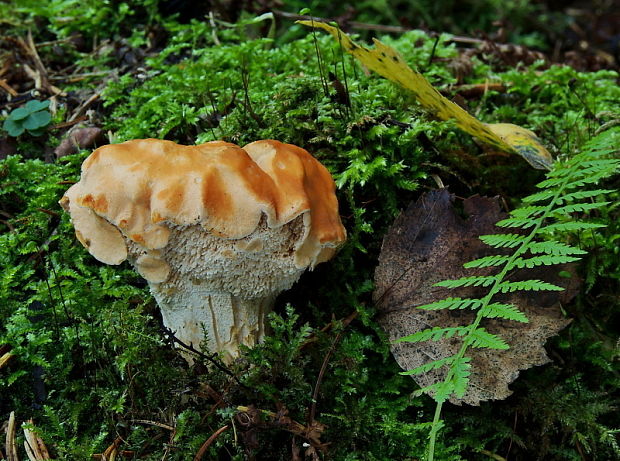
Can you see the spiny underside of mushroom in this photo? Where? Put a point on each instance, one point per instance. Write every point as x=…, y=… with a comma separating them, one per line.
x=217, y=231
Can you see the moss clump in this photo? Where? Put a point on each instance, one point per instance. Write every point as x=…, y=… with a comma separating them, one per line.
x=91, y=361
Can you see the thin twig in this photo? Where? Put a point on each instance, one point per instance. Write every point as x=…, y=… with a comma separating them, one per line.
x=319, y=380
x=210, y=358
x=205, y=446
x=68, y=124
x=492, y=455
x=5, y=86
x=153, y=423
x=77, y=77
x=80, y=110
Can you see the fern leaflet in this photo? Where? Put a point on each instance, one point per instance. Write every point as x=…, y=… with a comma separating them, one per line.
x=482, y=281
x=434, y=365
x=569, y=226
x=546, y=260
x=482, y=338
x=503, y=311
x=553, y=247
x=503, y=240
x=581, y=194
x=452, y=303
x=487, y=261
x=523, y=223
x=433, y=334
x=527, y=285
x=578, y=207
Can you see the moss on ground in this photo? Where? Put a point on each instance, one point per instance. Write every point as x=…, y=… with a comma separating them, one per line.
x=91, y=363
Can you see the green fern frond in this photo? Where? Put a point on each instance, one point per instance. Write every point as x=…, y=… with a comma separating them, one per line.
x=456, y=384
x=528, y=211
x=581, y=194
x=553, y=247
x=581, y=168
x=539, y=196
x=433, y=334
x=588, y=167
x=488, y=261
x=569, y=226
x=550, y=211
x=545, y=260
x=452, y=303
x=441, y=392
x=528, y=285
x=503, y=240
x=523, y=223
x=475, y=281
x=429, y=366
x=578, y=208
x=503, y=311
x=482, y=338
x=460, y=378
x=548, y=184
x=593, y=179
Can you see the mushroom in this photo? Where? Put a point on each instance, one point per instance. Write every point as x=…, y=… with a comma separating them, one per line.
x=217, y=231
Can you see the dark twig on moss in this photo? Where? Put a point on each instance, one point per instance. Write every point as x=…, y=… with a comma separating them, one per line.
x=332, y=348
x=209, y=358
x=205, y=446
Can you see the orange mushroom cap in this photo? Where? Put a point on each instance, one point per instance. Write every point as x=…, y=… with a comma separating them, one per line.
x=135, y=191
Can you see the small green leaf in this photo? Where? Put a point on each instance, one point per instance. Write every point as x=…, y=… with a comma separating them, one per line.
x=12, y=128
x=19, y=114
x=37, y=131
x=539, y=196
x=37, y=120
x=460, y=380
x=35, y=105
x=581, y=194
x=528, y=211
x=440, y=390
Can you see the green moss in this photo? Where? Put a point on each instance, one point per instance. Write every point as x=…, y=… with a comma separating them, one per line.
x=93, y=330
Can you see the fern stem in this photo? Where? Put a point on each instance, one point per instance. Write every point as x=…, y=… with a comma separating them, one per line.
x=434, y=429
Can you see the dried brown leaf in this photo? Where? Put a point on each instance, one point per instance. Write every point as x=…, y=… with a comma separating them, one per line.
x=429, y=243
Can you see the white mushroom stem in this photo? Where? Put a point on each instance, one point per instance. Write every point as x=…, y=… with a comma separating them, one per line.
x=217, y=292
x=220, y=321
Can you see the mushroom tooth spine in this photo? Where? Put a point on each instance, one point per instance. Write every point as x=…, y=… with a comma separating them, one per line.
x=218, y=292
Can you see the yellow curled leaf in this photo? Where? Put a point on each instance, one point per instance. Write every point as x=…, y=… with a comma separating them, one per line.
x=388, y=63
x=524, y=142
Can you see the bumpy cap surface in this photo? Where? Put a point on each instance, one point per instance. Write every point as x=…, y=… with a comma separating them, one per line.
x=132, y=196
